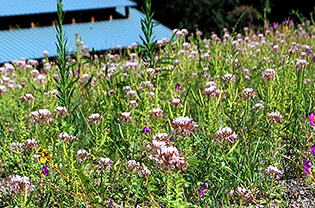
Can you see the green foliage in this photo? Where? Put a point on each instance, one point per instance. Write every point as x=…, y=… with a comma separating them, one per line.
x=65, y=85
x=148, y=46
x=212, y=98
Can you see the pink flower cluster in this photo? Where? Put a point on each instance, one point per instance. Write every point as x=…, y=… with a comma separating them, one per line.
x=249, y=93
x=83, y=155
x=106, y=163
x=243, y=193
x=165, y=153
x=42, y=116
x=211, y=90
x=184, y=125
x=157, y=112
x=66, y=137
x=19, y=184
x=269, y=74
x=141, y=170
x=61, y=111
x=275, y=117
x=27, y=98
x=226, y=134
x=95, y=118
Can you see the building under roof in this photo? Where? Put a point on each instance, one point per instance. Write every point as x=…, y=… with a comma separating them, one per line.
x=27, y=27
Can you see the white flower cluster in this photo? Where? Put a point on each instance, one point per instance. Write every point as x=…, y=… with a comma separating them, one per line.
x=275, y=117
x=66, y=137
x=106, y=162
x=40, y=79
x=27, y=98
x=211, y=90
x=176, y=102
x=31, y=143
x=249, y=92
x=269, y=74
x=3, y=90
x=135, y=166
x=85, y=78
x=243, y=193
x=182, y=121
x=228, y=78
x=165, y=153
x=83, y=154
x=19, y=184
x=161, y=136
x=95, y=118
x=226, y=134
x=146, y=84
x=126, y=116
x=301, y=63
x=41, y=116
x=258, y=106
x=61, y=111
x=17, y=146
x=184, y=125
x=133, y=103
x=157, y=112
x=274, y=170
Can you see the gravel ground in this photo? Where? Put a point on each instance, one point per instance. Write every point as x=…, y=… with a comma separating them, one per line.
x=296, y=193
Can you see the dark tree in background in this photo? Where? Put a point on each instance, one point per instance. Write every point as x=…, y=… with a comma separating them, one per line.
x=214, y=15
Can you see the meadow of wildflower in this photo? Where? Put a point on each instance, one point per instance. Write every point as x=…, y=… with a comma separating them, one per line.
x=184, y=122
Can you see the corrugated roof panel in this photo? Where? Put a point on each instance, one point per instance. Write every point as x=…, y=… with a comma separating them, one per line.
x=27, y=7
x=30, y=43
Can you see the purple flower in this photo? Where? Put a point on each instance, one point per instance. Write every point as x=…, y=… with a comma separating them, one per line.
x=313, y=150
x=313, y=59
x=46, y=170
x=76, y=73
x=146, y=130
x=203, y=187
x=111, y=202
x=311, y=118
x=275, y=25
x=310, y=35
x=309, y=52
x=307, y=166
x=290, y=21
x=267, y=26
x=177, y=87
x=286, y=22
x=299, y=35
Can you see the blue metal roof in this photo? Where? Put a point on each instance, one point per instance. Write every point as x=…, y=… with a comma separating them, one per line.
x=30, y=43
x=27, y=7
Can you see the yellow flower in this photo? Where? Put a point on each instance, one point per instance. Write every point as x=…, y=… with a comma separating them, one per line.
x=44, y=156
